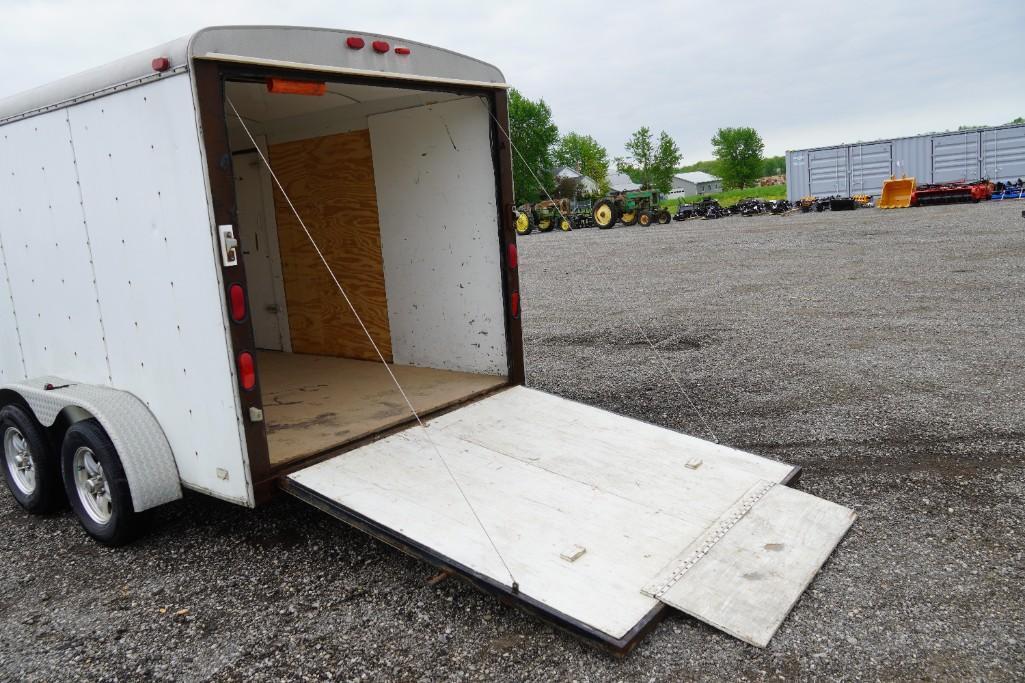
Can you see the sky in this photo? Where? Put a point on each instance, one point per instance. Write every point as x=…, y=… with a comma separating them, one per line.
x=803, y=74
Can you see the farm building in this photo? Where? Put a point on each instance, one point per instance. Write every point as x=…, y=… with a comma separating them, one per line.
x=620, y=182
x=695, y=183
x=996, y=154
x=571, y=183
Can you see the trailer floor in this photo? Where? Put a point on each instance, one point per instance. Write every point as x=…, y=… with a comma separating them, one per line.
x=880, y=350
x=314, y=403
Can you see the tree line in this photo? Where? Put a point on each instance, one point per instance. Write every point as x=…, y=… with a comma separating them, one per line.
x=651, y=160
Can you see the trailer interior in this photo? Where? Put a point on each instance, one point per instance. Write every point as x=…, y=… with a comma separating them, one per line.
x=398, y=189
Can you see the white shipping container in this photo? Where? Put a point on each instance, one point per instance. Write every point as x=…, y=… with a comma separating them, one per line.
x=996, y=154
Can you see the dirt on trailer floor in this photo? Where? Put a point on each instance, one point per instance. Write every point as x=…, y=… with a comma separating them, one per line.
x=882, y=351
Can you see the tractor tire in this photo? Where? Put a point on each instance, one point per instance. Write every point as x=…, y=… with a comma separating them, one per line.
x=604, y=214
x=545, y=225
x=629, y=217
x=524, y=223
x=644, y=219
x=664, y=217
x=565, y=225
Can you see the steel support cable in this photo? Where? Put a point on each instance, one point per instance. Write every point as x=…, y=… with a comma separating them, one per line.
x=626, y=309
x=377, y=350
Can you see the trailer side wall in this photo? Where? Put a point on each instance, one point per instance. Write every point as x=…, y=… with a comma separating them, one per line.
x=108, y=246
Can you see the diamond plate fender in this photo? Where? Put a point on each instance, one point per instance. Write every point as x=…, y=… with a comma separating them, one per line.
x=145, y=454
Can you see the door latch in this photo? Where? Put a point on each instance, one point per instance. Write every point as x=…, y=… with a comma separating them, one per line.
x=229, y=245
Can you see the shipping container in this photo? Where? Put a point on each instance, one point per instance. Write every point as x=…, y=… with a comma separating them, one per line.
x=268, y=259
x=996, y=154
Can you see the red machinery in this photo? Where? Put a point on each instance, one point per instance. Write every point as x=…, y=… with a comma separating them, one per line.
x=951, y=193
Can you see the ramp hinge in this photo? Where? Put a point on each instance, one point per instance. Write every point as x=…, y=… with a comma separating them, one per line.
x=713, y=536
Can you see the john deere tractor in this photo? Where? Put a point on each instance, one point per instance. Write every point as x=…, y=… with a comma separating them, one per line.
x=545, y=216
x=639, y=206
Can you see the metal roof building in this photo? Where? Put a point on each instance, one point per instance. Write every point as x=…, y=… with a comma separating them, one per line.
x=620, y=182
x=996, y=154
x=695, y=183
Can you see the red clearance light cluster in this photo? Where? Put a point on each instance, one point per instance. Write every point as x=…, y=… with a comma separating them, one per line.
x=514, y=304
x=512, y=260
x=283, y=86
x=380, y=46
x=160, y=64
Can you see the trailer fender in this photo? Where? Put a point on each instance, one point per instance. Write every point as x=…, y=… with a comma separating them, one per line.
x=140, y=442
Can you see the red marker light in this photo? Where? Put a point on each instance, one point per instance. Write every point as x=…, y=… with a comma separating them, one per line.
x=355, y=42
x=283, y=86
x=514, y=304
x=161, y=64
x=246, y=370
x=512, y=260
x=237, y=296
x=402, y=50
x=380, y=46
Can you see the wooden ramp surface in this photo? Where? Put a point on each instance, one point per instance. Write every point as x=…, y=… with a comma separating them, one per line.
x=587, y=507
x=313, y=403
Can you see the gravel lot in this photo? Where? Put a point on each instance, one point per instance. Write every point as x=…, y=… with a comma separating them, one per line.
x=882, y=351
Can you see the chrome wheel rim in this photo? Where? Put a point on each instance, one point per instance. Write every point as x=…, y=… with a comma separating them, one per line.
x=91, y=485
x=19, y=460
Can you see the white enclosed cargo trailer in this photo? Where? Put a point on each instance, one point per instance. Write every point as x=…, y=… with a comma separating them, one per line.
x=181, y=233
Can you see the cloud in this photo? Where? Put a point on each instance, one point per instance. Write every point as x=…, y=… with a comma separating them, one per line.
x=803, y=74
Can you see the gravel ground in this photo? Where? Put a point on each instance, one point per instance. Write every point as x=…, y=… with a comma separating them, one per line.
x=882, y=351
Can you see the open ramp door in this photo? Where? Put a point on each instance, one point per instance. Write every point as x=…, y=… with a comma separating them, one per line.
x=600, y=519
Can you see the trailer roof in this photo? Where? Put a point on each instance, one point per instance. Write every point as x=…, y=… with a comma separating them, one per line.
x=317, y=49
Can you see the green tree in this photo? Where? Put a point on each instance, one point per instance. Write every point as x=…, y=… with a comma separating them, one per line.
x=652, y=165
x=533, y=134
x=711, y=167
x=1020, y=119
x=739, y=152
x=583, y=154
x=774, y=165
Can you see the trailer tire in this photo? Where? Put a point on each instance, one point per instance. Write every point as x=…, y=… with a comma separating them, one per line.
x=31, y=467
x=96, y=486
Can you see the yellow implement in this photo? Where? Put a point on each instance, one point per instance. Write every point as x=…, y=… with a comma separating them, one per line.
x=896, y=193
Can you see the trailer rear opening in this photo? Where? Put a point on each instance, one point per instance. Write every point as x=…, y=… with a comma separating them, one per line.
x=397, y=187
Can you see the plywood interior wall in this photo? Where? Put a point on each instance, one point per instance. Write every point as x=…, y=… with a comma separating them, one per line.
x=330, y=180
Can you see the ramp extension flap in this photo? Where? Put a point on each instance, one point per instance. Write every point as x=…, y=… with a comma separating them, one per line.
x=744, y=574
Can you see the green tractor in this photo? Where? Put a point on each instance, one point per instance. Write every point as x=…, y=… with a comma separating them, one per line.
x=639, y=206
x=545, y=216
